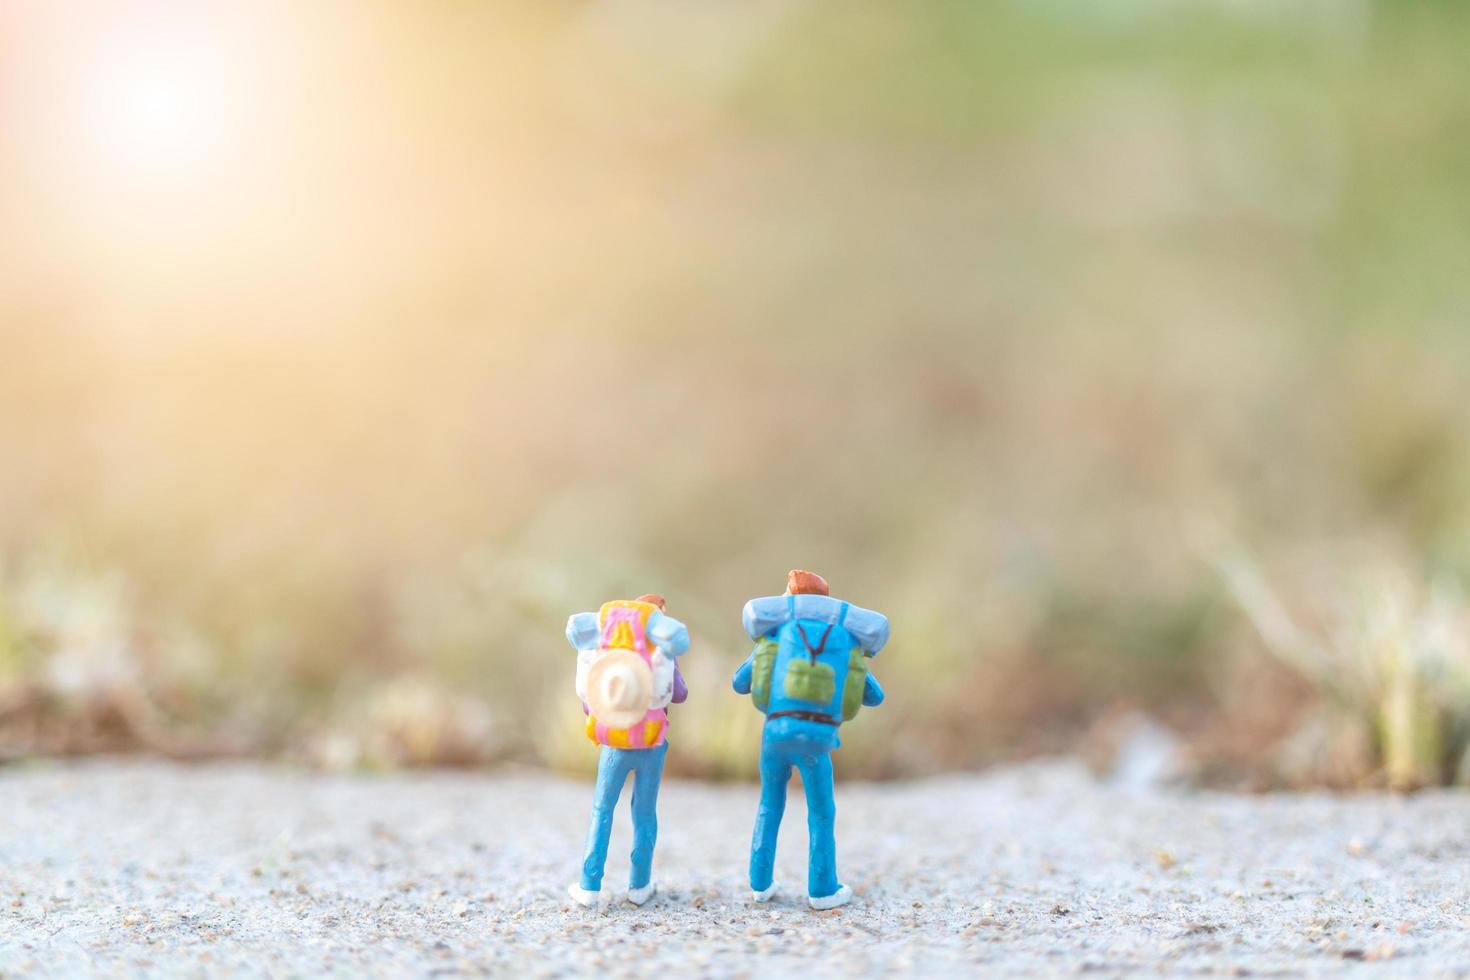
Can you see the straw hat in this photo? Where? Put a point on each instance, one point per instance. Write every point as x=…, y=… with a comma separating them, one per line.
x=619, y=688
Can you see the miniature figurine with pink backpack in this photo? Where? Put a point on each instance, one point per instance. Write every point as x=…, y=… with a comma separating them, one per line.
x=627, y=676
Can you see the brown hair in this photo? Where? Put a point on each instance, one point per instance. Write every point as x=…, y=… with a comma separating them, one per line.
x=799, y=582
x=654, y=598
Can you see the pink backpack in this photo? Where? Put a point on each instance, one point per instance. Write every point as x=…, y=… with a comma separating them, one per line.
x=624, y=677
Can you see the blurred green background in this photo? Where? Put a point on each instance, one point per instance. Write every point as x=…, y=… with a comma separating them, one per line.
x=1117, y=350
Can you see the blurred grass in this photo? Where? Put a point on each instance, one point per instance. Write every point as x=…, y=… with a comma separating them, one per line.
x=977, y=309
x=1393, y=661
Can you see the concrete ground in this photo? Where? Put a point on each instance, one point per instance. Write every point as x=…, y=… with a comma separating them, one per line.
x=125, y=868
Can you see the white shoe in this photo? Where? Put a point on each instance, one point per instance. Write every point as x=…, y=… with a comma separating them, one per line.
x=582, y=896
x=640, y=895
x=840, y=897
x=766, y=895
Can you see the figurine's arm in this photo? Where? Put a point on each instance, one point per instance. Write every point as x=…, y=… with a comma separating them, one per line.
x=582, y=631
x=681, y=690
x=743, y=673
x=872, y=692
x=670, y=635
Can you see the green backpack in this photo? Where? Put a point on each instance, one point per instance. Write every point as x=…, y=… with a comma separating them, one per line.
x=808, y=682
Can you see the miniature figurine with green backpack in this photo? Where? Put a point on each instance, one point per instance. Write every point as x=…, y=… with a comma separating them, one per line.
x=808, y=673
x=764, y=664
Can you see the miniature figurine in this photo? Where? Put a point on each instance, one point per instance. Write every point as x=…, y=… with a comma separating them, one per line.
x=808, y=673
x=627, y=674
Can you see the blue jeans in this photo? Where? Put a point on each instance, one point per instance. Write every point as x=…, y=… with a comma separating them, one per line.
x=816, y=777
x=647, y=767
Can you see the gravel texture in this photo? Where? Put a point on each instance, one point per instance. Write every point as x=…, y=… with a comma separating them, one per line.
x=126, y=868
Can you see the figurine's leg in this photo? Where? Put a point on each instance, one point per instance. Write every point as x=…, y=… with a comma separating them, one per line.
x=646, y=776
x=775, y=774
x=612, y=772
x=821, y=814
